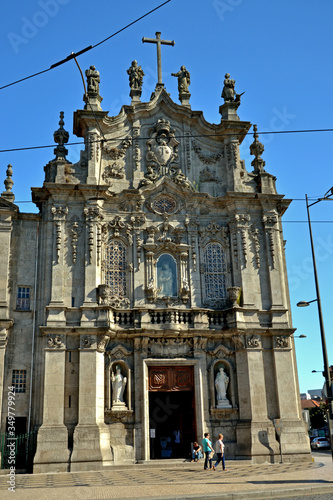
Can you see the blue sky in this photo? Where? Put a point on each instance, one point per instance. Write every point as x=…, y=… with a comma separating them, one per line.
x=279, y=53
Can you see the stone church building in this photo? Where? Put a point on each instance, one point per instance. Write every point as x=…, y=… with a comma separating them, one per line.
x=147, y=302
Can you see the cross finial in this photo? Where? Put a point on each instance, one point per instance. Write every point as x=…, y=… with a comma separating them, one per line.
x=158, y=42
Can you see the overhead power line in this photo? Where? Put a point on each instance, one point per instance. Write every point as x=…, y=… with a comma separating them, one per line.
x=176, y=136
x=90, y=47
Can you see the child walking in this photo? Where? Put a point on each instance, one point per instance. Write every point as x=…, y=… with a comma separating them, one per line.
x=219, y=449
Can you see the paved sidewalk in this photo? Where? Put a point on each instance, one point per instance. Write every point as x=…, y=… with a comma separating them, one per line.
x=186, y=481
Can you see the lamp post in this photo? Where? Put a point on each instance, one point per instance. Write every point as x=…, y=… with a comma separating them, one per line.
x=326, y=372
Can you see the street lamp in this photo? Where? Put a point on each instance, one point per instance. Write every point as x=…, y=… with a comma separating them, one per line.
x=326, y=372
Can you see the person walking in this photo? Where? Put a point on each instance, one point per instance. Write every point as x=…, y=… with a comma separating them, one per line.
x=207, y=449
x=219, y=449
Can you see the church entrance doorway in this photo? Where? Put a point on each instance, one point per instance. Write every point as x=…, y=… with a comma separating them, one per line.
x=171, y=411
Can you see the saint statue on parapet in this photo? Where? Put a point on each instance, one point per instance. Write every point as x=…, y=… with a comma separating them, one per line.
x=93, y=80
x=228, y=92
x=184, y=79
x=136, y=75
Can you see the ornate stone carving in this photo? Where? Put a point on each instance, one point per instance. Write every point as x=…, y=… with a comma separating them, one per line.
x=118, y=352
x=253, y=341
x=101, y=346
x=162, y=156
x=281, y=342
x=234, y=295
x=93, y=214
x=106, y=299
x=257, y=149
x=207, y=176
x=117, y=227
x=170, y=347
x=115, y=170
x=206, y=159
x=55, y=341
x=214, y=231
x=74, y=231
x=86, y=341
x=270, y=220
x=238, y=341
x=254, y=235
x=59, y=214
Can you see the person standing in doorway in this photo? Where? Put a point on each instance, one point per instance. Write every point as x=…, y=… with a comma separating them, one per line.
x=207, y=449
x=219, y=449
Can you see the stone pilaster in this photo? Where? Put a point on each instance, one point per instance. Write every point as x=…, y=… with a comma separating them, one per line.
x=91, y=450
x=94, y=215
x=293, y=438
x=255, y=432
x=52, y=453
x=56, y=307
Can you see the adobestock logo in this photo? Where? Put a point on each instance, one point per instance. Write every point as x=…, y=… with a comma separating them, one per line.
x=30, y=27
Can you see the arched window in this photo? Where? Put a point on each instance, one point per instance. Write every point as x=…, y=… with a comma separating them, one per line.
x=215, y=272
x=115, y=275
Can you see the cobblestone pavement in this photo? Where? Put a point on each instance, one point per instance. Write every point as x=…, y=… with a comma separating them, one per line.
x=186, y=481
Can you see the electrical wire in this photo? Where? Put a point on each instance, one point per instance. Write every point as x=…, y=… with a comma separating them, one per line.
x=90, y=47
x=176, y=136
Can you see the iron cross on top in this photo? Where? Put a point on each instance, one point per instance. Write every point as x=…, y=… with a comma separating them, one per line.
x=158, y=42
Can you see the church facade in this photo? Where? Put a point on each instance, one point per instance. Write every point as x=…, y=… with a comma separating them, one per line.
x=147, y=302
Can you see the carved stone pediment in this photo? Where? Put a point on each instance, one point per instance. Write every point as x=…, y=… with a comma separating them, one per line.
x=118, y=352
x=216, y=232
x=221, y=351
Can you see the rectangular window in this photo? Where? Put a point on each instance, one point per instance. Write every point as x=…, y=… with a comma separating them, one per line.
x=19, y=380
x=23, y=298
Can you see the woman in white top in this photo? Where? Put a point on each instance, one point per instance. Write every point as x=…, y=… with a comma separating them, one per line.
x=219, y=449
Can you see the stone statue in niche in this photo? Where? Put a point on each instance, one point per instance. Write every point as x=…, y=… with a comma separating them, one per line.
x=166, y=276
x=118, y=388
x=221, y=386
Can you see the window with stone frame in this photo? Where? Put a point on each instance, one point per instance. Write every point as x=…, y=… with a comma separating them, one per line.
x=115, y=273
x=23, y=298
x=19, y=380
x=215, y=272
